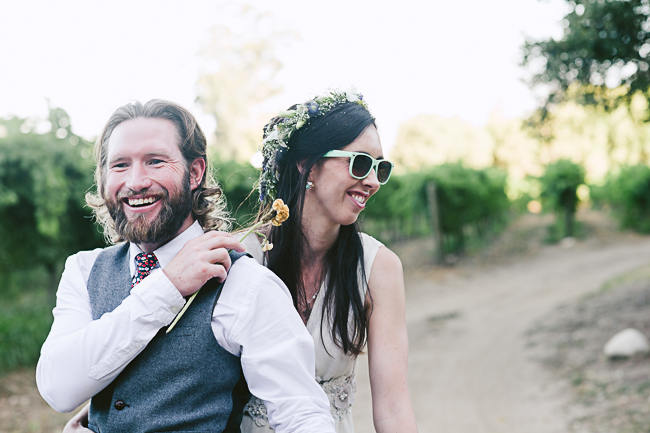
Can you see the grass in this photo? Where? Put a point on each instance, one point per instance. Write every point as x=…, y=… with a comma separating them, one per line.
x=635, y=275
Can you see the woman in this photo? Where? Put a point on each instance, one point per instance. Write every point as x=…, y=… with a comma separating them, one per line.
x=324, y=159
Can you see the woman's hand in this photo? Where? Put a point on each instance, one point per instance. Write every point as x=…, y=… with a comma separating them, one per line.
x=79, y=422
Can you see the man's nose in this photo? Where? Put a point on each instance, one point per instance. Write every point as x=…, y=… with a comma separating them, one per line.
x=138, y=178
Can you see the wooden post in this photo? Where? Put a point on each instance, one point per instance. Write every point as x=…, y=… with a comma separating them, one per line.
x=432, y=198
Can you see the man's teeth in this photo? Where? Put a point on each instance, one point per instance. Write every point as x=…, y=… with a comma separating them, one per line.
x=359, y=198
x=141, y=201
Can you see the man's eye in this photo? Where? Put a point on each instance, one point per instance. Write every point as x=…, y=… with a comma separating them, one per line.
x=156, y=161
x=119, y=165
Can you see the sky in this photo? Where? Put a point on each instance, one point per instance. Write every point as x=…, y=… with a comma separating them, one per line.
x=408, y=57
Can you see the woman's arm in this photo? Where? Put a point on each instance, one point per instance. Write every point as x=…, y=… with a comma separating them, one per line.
x=388, y=347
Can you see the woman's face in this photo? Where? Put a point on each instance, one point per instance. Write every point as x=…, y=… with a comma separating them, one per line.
x=337, y=197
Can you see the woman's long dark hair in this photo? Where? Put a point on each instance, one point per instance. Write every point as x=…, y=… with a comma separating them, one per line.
x=343, y=261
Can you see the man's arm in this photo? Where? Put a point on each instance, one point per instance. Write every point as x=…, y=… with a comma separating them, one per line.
x=255, y=318
x=81, y=356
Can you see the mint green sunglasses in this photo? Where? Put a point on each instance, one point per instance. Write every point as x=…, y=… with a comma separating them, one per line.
x=362, y=163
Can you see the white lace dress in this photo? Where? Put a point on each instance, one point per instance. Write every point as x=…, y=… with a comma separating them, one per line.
x=334, y=369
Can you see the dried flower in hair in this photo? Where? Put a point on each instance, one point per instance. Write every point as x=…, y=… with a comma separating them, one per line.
x=282, y=212
x=266, y=245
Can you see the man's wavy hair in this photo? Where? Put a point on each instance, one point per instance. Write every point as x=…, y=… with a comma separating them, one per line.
x=208, y=201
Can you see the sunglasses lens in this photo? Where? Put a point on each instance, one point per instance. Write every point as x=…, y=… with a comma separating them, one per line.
x=383, y=171
x=361, y=166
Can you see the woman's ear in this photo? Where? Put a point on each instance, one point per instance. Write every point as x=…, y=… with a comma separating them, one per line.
x=301, y=167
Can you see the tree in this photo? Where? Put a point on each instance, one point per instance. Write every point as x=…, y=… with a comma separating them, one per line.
x=45, y=169
x=239, y=74
x=428, y=140
x=601, y=58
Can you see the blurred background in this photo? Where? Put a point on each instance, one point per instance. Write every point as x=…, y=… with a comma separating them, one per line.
x=521, y=120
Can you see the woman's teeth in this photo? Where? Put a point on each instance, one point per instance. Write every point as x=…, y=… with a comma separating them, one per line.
x=361, y=199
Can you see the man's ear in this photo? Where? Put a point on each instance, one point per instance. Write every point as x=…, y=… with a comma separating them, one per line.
x=197, y=171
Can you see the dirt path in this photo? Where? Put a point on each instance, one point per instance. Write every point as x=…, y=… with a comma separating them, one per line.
x=469, y=368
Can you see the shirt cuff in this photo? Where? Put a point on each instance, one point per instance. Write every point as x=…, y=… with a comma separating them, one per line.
x=163, y=299
x=152, y=304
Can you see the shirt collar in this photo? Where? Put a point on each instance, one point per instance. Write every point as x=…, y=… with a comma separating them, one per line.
x=168, y=251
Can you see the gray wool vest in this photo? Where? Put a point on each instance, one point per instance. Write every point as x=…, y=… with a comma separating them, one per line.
x=182, y=381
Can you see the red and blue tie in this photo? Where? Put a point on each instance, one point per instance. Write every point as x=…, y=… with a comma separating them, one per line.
x=144, y=264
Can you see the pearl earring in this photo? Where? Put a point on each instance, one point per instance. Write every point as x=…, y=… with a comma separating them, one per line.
x=309, y=185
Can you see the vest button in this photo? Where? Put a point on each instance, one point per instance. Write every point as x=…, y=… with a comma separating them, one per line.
x=119, y=405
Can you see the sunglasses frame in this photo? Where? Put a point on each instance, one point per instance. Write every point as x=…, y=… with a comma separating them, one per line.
x=375, y=162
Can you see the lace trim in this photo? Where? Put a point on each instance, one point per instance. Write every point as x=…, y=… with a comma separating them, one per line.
x=257, y=411
x=340, y=392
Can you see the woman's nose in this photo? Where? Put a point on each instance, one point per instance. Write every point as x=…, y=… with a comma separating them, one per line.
x=371, y=180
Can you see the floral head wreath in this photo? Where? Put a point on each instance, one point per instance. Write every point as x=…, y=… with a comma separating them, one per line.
x=278, y=131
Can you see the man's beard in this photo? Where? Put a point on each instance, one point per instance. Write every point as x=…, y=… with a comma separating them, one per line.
x=173, y=212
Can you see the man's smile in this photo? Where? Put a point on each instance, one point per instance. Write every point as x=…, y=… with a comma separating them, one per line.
x=140, y=201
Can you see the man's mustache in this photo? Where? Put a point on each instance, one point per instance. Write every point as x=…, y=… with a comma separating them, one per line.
x=163, y=193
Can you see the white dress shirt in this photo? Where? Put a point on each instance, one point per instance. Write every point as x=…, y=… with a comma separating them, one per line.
x=254, y=319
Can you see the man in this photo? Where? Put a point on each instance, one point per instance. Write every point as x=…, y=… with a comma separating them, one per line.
x=108, y=339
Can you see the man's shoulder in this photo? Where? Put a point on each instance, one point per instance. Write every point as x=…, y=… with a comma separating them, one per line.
x=253, y=277
x=249, y=267
x=86, y=258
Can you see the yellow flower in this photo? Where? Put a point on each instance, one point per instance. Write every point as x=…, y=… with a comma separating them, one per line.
x=282, y=212
x=278, y=204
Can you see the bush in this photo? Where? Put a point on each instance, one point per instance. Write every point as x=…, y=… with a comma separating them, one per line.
x=628, y=194
x=560, y=183
x=25, y=318
x=23, y=328
x=468, y=196
x=398, y=210
x=237, y=181
x=471, y=203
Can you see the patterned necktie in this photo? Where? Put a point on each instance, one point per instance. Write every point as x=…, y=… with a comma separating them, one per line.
x=144, y=264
